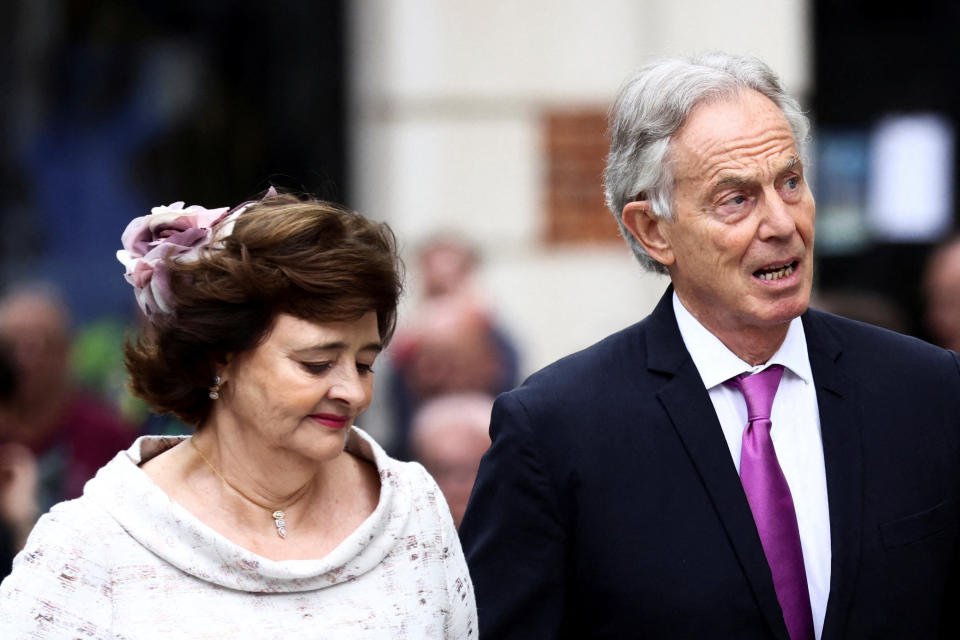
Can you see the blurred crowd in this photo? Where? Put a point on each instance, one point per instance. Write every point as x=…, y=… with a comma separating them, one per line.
x=451, y=340
x=54, y=435
x=450, y=358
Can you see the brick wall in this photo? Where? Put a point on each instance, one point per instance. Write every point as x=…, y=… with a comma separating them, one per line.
x=575, y=146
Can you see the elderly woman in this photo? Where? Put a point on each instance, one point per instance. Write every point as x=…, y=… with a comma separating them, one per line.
x=278, y=518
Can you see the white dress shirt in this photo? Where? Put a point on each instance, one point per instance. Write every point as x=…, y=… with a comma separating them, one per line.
x=795, y=434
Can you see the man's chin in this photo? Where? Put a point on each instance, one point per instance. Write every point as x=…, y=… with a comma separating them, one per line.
x=788, y=317
x=783, y=312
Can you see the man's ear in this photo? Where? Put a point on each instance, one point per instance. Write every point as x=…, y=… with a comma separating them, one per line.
x=648, y=229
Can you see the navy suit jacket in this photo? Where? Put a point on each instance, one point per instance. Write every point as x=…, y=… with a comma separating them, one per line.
x=608, y=505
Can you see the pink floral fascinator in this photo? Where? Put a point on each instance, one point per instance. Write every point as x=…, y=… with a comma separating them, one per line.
x=171, y=232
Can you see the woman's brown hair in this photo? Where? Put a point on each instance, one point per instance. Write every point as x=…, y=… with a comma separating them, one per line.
x=312, y=259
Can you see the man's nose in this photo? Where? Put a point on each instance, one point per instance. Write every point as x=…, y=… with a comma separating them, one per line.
x=777, y=217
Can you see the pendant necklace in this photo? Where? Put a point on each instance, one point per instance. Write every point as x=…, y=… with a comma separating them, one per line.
x=279, y=517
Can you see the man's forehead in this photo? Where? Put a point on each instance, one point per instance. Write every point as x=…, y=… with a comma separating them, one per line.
x=745, y=172
x=736, y=136
x=718, y=114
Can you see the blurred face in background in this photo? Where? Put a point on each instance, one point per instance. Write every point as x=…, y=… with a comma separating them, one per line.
x=450, y=435
x=943, y=296
x=445, y=267
x=36, y=330
x=455, y=350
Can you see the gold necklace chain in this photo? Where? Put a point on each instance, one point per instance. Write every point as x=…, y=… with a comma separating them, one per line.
x=279, y=517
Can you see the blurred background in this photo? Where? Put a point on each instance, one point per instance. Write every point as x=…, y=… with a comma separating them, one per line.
x=476, y=129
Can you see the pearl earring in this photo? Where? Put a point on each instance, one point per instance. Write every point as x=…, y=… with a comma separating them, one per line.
x=215, y=389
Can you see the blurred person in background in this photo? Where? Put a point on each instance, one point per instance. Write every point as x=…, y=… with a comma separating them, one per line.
x=278, y=517
x=70, y=432
x=864, y=305
x=18, y=478
x=449, y=436
x=942, y=288
x=447, y=266
x=452, y=341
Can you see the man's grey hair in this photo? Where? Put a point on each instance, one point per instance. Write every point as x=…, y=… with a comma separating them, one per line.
x=653, y=104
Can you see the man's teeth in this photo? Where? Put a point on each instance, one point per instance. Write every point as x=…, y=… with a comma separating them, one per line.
x=775, y=273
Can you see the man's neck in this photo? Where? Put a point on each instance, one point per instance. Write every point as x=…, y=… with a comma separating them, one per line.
x=754, y=345
x=751, y=343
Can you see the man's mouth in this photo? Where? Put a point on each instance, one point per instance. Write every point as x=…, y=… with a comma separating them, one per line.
x=776, y=272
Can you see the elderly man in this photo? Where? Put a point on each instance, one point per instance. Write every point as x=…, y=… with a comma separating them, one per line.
x=734, y=465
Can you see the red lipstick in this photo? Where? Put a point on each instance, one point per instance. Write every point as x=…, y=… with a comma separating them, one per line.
x=330, y=420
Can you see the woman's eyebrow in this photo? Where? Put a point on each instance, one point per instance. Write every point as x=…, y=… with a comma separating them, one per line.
x=339, y=346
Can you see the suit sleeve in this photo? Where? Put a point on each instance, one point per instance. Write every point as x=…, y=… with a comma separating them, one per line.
x=950, y=608
x=513, y=533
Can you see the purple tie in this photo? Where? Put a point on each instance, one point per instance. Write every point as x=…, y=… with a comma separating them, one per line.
x=771, y=503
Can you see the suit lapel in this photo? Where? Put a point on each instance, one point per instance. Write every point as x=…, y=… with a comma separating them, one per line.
x=840, y=428
x=695, y=421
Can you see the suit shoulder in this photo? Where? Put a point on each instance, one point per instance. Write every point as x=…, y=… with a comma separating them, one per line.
x=614, y=358
x=859, y=339
x=601, y=353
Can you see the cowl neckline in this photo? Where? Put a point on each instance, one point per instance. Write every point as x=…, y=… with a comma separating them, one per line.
x=178, y=537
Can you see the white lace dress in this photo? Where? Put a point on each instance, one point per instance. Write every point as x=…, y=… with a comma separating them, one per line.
x=125, y=561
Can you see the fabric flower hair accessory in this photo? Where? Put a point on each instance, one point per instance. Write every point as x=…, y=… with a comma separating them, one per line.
x=171, y=232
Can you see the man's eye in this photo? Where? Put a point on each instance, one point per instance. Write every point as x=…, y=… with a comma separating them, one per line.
x=792, y=183
x=317, y=367
x=735, y=202
x=364, y=368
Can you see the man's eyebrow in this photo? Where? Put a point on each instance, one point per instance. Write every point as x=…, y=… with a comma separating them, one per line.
x=792, y=163
x=732, y=181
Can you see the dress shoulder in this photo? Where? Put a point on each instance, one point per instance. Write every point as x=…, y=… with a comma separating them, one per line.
x=60, y=585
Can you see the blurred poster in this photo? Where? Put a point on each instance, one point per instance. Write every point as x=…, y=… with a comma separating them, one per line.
x=910, y=186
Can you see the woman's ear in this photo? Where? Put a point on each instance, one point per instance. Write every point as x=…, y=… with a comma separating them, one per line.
x=221, y=365
x=649, y=230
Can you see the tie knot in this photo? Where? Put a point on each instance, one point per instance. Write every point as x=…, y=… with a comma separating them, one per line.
x=758, y=390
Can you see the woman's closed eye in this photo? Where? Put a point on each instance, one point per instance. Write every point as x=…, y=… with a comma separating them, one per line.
x=364, y=368
x=317, y=367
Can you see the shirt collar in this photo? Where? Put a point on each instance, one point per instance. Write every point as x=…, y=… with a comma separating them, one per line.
x=717, y=364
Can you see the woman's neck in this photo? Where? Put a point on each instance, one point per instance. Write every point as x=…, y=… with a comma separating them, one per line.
x=268, y=479
x=333, y=501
